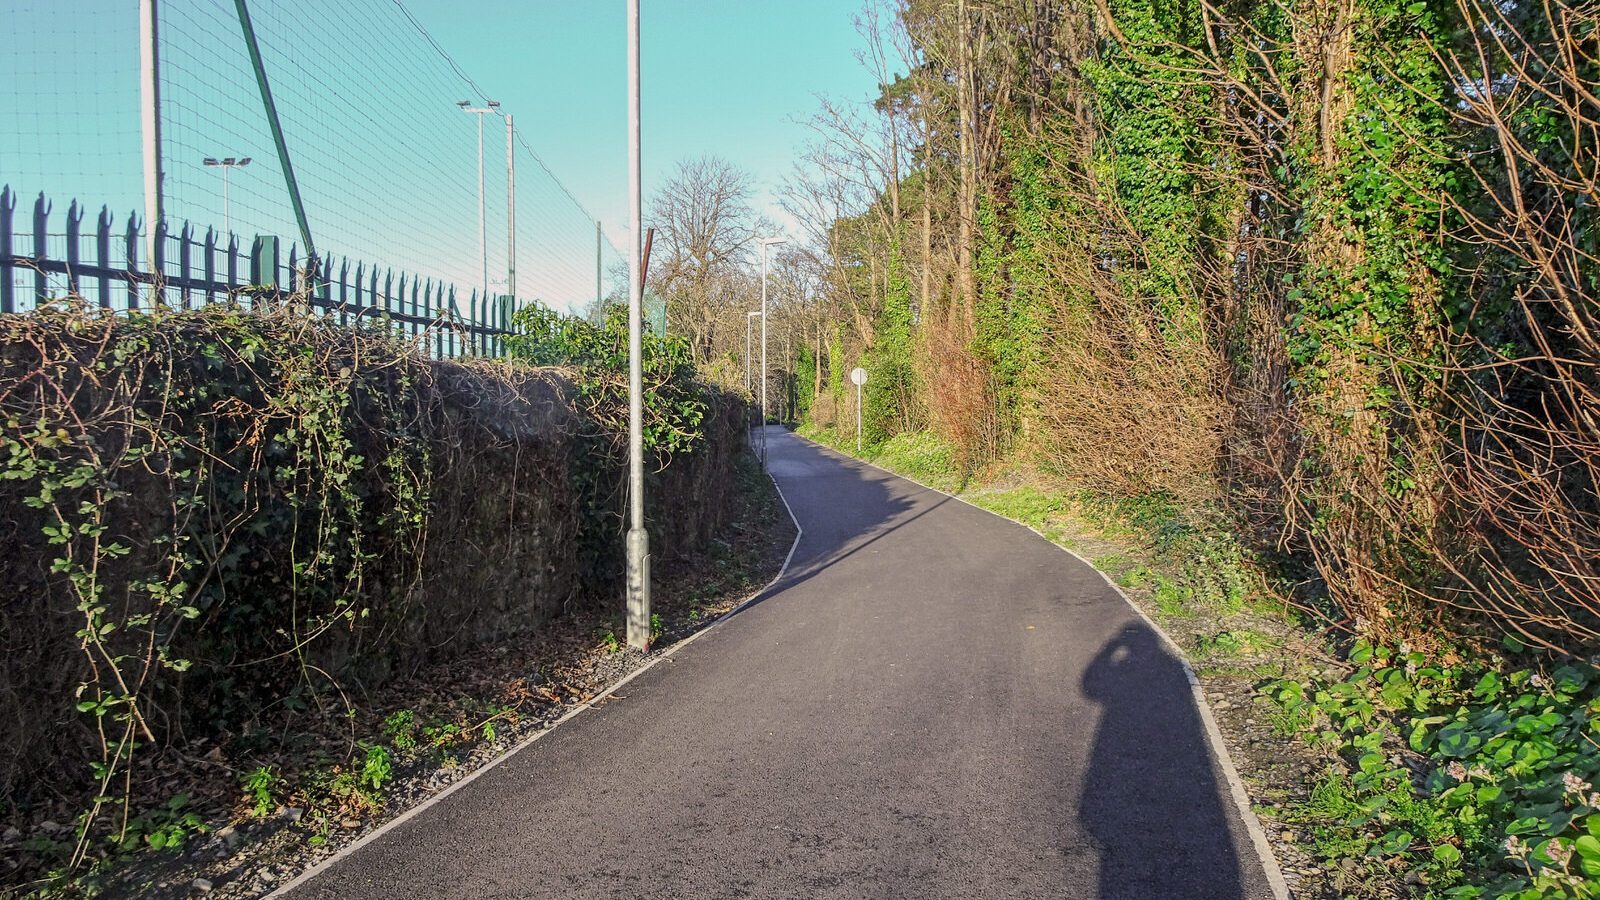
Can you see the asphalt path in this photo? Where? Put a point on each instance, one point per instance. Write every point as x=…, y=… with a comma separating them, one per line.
x=931, y=702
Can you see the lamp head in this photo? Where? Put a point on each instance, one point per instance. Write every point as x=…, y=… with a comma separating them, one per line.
x=463, y=103
x=244, y=162
x=211, y=161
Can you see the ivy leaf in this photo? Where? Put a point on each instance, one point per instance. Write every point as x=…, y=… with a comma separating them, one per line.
x=1488, y=687
x=1458, y=739
x=1420, y=739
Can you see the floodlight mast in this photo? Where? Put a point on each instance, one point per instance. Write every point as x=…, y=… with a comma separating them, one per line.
x=483, y=239
x=226, y=164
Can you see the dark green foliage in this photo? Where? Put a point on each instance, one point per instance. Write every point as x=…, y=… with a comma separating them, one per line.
x=677, y=407
x=889, y=401
x=1479, y=780
x=1152, y=122
x=805, y=369
x=675, y=402
x=223, y=521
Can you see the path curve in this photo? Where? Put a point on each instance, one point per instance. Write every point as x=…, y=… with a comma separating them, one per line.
x=930, y=702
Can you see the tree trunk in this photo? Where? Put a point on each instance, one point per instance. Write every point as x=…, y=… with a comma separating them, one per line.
x=816, y=381
x=966, y=212
x=927, y=210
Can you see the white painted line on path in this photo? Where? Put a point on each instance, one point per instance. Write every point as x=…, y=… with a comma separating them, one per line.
x=1236, y=788
x=414, y=811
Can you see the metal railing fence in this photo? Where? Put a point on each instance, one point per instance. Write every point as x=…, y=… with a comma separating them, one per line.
x=108, y=266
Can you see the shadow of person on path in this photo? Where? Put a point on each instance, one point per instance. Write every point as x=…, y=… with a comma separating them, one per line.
x=1150, y=798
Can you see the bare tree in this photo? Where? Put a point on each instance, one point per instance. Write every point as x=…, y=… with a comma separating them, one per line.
x=706, y=230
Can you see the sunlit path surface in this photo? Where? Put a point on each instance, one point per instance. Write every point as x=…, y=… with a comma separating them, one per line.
x=932, y=702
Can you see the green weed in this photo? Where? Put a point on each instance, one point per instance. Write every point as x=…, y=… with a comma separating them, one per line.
x=1469, y=779
x=401, y=727
x=376, y=767
x=259, y=786
x=164, y=828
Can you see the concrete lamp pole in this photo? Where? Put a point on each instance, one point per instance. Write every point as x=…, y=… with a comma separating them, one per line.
x=227, y=164
x=747, y=317
x=483, y=240
x=765, y=243
x=638, y=537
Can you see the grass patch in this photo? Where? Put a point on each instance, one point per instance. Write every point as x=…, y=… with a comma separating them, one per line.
x=1189, y=566
x=918, y=455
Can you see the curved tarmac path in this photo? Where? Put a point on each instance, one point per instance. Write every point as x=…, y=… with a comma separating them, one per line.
x=931, y=702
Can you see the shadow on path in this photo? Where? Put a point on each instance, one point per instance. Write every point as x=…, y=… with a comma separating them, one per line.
x=836, y=528
x=1149, y=796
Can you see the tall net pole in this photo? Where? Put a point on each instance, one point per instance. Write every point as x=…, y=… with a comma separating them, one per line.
x=150, y=120
x=270, y=107
x=511, y=211
x=483, y=228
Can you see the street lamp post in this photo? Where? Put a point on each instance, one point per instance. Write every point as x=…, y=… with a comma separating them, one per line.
x=483, y=243
x=747, y=317
x=226, y=164
x=638, y=545
x=765, y=243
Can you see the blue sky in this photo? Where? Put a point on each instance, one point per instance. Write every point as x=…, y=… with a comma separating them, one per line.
x=724, y=77
x=387, y=162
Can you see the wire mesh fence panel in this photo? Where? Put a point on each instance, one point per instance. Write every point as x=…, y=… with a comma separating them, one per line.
x=375, y=125
x=69, y=100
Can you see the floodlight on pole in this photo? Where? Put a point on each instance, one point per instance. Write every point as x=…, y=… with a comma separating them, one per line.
x=226, y=164
x=483, y=241
x=765, y=243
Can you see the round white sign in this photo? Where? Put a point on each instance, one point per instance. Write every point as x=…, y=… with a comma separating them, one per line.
x=858, y=376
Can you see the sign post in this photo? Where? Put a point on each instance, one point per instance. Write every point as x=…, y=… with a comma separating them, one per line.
x=858, y=375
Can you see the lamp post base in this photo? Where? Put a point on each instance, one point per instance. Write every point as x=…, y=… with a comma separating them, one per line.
x=639, y=588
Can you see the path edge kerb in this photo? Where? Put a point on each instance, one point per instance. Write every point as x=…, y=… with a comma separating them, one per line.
x=411, y=813
x=1219, y=748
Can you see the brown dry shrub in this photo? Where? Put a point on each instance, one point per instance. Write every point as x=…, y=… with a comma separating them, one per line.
x=960, y=399
x=1126, y=412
